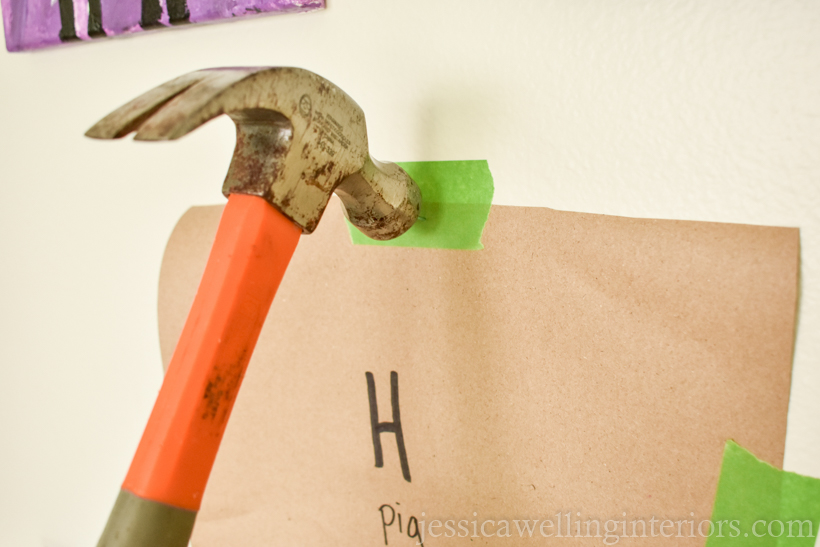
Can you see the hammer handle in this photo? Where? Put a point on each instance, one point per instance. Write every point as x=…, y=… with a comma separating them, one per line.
x=252, y=249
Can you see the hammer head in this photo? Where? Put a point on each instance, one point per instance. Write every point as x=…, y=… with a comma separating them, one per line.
x=299, y=138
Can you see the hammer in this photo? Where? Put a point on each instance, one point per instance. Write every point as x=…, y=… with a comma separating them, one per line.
x=299, y=138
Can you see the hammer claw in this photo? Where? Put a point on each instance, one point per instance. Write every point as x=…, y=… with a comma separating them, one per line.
x=131, y=116
x=192, y=107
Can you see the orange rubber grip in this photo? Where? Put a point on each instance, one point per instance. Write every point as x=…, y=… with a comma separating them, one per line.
x=253, y=246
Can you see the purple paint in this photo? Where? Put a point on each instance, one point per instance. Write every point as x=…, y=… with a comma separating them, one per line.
x=121, y=17
x=25, y=18
x=34, y=24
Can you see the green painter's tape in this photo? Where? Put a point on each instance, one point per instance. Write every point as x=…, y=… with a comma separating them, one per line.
x=752, y=494
x=455, y=204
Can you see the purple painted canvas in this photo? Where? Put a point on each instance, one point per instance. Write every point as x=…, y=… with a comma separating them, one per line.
x=32, y=24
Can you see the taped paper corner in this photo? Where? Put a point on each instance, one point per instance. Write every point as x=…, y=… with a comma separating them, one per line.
x=455, y=204
x=760, y=505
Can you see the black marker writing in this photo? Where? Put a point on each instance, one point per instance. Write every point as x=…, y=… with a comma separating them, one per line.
x=390, y=427
x=414, y=531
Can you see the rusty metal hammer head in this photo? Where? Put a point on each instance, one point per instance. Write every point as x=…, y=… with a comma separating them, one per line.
x=299, y=138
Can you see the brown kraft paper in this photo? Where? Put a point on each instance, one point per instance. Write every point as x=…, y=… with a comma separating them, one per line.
x=580, y=368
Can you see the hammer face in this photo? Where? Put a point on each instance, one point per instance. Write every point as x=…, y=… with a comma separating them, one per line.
x=381, y=200
x=299, y=138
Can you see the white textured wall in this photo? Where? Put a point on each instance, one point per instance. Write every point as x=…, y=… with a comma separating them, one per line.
x=678, y=109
